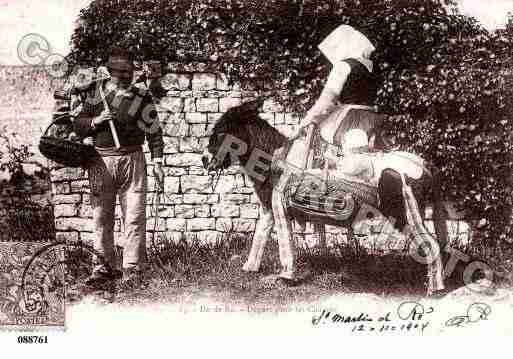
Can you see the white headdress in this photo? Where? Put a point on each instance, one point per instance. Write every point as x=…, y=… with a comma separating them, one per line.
x=344, y=43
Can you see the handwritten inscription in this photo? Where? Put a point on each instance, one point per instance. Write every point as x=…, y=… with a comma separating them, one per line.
x=410, y=326
x=338, y=318
x=413, y=311
x=409, y=316
x=476, y=312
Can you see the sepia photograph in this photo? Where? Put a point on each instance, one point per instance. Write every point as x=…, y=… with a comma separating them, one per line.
x=246, y=167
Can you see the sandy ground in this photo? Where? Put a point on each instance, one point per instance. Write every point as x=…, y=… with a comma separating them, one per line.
x=209, y=313
x=356, y=299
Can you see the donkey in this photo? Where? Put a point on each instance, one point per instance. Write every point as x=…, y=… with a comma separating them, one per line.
x=242, y=137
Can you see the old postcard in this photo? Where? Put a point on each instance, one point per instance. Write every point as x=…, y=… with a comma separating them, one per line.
x=286, y=166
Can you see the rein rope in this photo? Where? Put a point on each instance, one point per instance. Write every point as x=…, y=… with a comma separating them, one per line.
x=215, y=178
x=155, y=208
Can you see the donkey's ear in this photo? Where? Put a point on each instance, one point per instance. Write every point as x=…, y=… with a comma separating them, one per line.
x=259, y=102
x=253, y=106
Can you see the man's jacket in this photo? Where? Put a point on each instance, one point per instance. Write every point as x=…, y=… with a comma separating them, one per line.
x=136, y=120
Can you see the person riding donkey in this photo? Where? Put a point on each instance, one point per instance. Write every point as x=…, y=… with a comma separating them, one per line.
x=347, y=99
x=346, y=102
x=345, y=116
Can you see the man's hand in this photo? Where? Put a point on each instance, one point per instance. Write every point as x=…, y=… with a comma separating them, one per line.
x=158, y=172
x=105, y=116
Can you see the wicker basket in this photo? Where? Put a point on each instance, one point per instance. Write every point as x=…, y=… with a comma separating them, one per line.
x=63, y=151
x=339, y=199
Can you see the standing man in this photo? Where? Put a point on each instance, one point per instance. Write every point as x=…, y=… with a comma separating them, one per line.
x=120, y=170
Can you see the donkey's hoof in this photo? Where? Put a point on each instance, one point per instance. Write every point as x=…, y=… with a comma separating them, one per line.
x=249, y=268
x=236, y=258
x=288, y=282
x=269, y=279
x=438, y=294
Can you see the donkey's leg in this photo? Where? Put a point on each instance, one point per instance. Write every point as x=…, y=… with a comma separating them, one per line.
x=436, y=279
x=262, y=232
x=440, y=217
x=299, y=229
x=353, y=240
x=423, y=241
x=442, y=236
x=431, y=256
x=434, y=267
x=321, y=230
x=285, y=240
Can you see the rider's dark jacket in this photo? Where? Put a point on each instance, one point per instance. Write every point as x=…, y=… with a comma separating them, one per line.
x=360, y=89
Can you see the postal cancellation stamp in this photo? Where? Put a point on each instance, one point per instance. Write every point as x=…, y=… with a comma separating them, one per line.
x=341, y=165
x=31, y=287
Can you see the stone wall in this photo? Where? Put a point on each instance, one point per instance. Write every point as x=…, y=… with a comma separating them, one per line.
x=190, y=208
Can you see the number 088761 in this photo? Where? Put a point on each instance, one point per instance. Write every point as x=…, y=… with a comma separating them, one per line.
x=32, y=339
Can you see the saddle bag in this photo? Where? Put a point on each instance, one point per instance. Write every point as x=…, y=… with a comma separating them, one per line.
x=335, y=197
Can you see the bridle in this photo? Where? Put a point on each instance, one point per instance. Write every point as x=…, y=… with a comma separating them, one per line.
x=215, y=178
x=217, y=173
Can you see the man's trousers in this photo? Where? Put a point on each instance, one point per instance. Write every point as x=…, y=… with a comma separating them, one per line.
x=123, y=175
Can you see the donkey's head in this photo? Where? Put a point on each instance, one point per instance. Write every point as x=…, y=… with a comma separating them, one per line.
x=231, y=138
